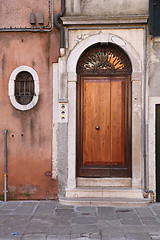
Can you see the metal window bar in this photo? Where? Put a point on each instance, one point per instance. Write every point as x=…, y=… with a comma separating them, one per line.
x=24, y=88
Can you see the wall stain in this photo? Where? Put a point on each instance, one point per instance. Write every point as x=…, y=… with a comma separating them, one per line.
x=48, y=50
x=32, y=128
x=27, y=189
x=3, y=62
x=33, y=63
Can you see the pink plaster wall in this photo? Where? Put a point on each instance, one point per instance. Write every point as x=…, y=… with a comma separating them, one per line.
x=29, y=132
x=17, y=13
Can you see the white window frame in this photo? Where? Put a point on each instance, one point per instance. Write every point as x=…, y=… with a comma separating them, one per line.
x=11, y=89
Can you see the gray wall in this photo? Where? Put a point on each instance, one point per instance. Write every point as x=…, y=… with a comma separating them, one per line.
x=62, y=158
x=107, y=8
x=154, y=66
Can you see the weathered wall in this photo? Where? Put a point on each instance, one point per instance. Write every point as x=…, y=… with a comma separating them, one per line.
x=107, y=8
x=153, y=93
x=154, y=65
x=29, y=132
x=17, y=13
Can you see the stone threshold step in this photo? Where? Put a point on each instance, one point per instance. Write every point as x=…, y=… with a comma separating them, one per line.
x=104, y=192
x=103, y=182
x=112, y=202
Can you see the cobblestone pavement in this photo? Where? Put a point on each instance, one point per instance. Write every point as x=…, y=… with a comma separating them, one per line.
x=39, y=220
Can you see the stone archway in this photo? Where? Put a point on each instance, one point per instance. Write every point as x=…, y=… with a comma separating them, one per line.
x=136, y=119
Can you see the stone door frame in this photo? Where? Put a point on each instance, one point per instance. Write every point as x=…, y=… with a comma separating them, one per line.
x=67, y=68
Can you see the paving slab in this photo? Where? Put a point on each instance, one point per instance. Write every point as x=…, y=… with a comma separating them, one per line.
x=112, y=232
x=4, y=237
x=131, y=222
x=138, y=236
x=19, y=217
x=45, y=209
x=134, y=229
x=103, y=224
x=86, y=236
x=154, y=235
x=155, y=208
x=128, y=218
x=59, y=221
x=107, y=213
x=30, y=203
x=60, y=206
x=5, y=212
x=144, y=212
x=59, y=230
x=14, y=226
x=65, y=213
x=39, y=220
x=24, y=210
x=4, y=218
x=89, y=209
x=10, y=205
x=34, y=237
x=155, y=238
x=84, y=229
x=9, y=236
x=151, y=222
x=148, y=228
x=50, y=237
x=115, y=238
x=84, y=220
x=82, y=211
x=36, y=227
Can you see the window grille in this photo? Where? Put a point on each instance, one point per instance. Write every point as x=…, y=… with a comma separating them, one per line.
x=24, y=88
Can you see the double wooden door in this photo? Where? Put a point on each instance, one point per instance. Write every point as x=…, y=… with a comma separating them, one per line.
x=104, y=126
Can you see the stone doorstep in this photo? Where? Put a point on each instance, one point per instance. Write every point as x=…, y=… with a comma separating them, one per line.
x=103, y=182
x=104, y=192
x=110, y=202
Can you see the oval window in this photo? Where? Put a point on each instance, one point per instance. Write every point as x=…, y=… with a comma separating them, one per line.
x=24, y=88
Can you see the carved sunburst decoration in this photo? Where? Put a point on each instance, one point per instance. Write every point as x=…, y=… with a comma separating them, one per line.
x=103, y=59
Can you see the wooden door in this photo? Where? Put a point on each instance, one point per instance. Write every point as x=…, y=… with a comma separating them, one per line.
x=103, y=128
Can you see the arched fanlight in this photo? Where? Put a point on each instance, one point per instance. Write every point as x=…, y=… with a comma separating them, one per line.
x=103, y=59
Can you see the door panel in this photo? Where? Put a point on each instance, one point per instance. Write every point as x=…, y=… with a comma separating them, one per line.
x=96, y=122
x=117, y=122
x=103, y=127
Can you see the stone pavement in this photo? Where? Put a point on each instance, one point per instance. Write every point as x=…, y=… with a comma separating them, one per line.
x=39, y=220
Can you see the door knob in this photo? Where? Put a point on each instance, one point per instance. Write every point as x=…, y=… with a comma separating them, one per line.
x=97, y=127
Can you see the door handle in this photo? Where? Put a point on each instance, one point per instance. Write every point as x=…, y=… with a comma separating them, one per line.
x=97, y=127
